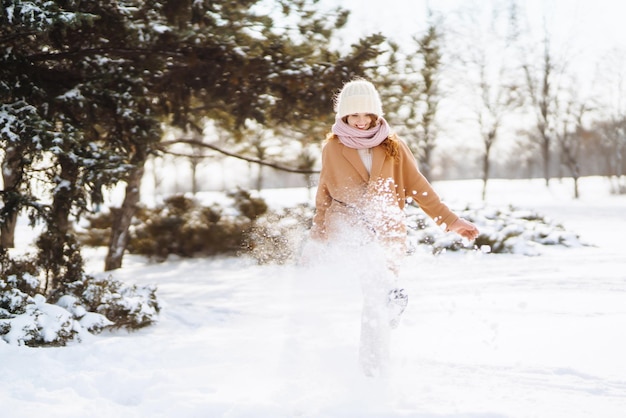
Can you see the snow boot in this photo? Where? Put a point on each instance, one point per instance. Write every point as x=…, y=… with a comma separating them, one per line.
x=397, y=302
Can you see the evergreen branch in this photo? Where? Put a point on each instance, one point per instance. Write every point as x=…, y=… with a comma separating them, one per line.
x=130, y=52
x=16, y=35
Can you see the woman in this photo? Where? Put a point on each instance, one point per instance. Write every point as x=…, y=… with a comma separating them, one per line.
x=367, y=176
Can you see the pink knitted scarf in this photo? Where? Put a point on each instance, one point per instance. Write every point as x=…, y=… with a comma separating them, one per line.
x=359, y=138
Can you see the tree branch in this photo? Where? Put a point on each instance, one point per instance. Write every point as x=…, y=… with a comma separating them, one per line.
x=162, y=146
x=121, y=52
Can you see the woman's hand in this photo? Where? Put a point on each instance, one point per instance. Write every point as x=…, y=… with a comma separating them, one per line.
x=464, y=228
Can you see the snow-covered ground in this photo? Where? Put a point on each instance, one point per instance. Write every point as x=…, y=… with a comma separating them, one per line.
x=484, y=335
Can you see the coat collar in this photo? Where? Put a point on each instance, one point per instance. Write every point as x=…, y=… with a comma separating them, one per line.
x=378, y=158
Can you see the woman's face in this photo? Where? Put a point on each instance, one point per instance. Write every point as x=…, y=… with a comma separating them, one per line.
x=361, y=120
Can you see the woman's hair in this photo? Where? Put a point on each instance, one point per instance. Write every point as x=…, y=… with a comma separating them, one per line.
x=391, y=146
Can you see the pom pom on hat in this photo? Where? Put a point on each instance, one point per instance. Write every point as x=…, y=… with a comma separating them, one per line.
x=358, y=96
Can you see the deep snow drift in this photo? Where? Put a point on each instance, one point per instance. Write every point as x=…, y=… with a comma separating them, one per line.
x=484, y=335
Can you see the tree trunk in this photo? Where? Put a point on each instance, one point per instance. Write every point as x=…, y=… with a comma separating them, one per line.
x=12, y=177
x=486, y=169
x=64, y=195
x=123, y=217
x=194, y=176
x=545, y=149
x=259, y=179
x=7, y=231
x=62, y=266
x=489, y=140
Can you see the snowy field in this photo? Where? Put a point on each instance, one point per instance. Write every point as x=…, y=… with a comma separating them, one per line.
x=484, y=335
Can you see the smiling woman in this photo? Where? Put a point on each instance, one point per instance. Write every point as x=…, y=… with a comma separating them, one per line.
x=367, y=176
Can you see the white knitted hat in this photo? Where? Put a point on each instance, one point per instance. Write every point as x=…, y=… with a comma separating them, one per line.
x=358, y=96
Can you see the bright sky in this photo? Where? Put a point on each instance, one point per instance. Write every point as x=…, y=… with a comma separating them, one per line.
x=586, y=34
x=590, y=24
x=583, y=32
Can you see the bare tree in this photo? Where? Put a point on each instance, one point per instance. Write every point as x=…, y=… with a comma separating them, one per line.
x=430, y=51
x=612, y=143
x=259, y=149
x=542, y=94
x=611, y=127
x=570, y=134
x=195, y=159
x=497, y=98
x=410, y=90
x=489, y=74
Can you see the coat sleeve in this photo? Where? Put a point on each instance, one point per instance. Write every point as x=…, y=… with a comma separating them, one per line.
x=323, y=200
x=421, y=191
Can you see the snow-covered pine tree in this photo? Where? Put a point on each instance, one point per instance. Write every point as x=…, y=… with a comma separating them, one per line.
x=69, y=108
x=91, y=83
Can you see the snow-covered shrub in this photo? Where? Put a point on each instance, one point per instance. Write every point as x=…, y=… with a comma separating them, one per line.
x=18, y=282
x=15, y=294
x=248, y=206
x=276, y=236
x=502, y=230
x=91, y=321
x=41, y=324
x=121, y=305
x=184, y=227
x=88, y=305
x=26, y=318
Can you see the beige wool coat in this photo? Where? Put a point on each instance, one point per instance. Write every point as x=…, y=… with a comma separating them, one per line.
x=348, y=196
